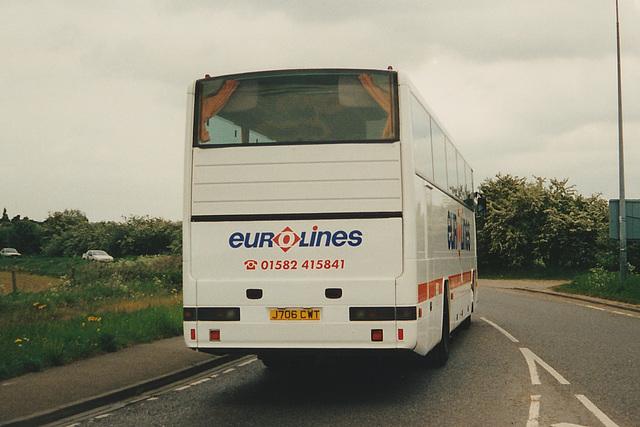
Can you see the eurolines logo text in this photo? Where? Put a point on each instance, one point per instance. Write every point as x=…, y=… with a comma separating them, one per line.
x=288, y=239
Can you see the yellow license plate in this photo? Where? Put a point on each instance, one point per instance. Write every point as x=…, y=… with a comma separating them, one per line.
x=295, y=314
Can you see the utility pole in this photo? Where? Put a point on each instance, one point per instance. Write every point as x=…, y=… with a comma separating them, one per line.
x=623, y=209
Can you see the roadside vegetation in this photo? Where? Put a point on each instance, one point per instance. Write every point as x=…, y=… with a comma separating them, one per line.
x=65, y=308
x=601, y=283
x=105, y=307
x=539, y=230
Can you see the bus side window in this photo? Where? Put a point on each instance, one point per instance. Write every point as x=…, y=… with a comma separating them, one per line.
x=452, y=168
x=421, y=124
x=439, y=156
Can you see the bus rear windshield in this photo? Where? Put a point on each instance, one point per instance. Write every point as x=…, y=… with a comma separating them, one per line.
x=296, y=107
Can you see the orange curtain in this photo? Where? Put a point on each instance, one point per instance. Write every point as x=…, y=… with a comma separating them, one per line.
x=213, y=104
x=383, y=99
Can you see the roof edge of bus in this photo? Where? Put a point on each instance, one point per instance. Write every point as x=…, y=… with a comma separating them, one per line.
x=279, y=70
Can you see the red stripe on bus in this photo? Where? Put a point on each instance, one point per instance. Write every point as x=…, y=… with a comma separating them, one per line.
x=430, y=289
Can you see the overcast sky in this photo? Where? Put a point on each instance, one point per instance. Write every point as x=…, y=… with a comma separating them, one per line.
x=93, y=93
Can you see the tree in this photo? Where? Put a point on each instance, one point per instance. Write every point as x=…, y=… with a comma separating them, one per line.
x=59, y=222
x=531, y=223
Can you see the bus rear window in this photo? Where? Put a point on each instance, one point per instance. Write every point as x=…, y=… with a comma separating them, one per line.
x=297, y=107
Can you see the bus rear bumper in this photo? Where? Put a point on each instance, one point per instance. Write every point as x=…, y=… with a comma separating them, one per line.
x=231, y=337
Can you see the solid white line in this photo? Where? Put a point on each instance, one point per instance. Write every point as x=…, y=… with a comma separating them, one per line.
x=597, y=412
x=532, y=359
x=507, y=334
x=534, y=411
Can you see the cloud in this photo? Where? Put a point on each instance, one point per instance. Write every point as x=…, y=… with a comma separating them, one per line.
x=93, y=112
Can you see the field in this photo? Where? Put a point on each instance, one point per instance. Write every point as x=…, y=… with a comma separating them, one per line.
x=26, y=282
x=72, y=309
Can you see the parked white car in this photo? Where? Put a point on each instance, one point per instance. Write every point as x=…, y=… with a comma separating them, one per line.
x=9, y=252
x=99, y=256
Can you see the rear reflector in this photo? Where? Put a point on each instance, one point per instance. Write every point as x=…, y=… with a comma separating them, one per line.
x=218, y=314
x=193, y=335
x=376, y=335
x=400, y=334
x=359, y=314
x=214, y=335
x=405, y=313
x=189, y=314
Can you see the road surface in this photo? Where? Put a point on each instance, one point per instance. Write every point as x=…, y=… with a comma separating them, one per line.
x=527, y=360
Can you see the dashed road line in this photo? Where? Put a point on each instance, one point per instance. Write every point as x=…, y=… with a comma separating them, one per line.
x=507, y=334
x=534, y=411
x=248, y=362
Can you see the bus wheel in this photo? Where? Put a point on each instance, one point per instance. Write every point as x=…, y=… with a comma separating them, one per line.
x=440, y=354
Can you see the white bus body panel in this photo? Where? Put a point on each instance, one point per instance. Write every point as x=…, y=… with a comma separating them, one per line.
x=294, y=261
x=410, y=247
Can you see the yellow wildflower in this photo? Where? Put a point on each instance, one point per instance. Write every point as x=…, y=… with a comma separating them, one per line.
x=42, y=306
x=18, y=340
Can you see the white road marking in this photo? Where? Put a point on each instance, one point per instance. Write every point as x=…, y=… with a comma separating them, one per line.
x=566, y=425
x=248, y=362
x=597, y=412
x=507, y=334
x=103, y=416
x=532, y=359
x=610, y=311
x=204, y=380
x=534, y=411
x=229, y=370
x=183, y=388
x=624, y=314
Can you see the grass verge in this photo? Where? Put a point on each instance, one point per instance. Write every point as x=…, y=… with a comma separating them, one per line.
x=601, y=283
x=104, y=308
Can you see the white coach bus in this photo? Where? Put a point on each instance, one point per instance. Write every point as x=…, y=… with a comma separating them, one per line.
x=325, y=209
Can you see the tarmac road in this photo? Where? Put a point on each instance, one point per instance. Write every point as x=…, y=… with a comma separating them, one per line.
x=487, y=379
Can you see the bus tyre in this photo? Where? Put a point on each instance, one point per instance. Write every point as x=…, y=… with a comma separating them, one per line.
x=440, y=354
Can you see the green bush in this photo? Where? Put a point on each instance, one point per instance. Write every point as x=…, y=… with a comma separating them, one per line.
x=535, y=224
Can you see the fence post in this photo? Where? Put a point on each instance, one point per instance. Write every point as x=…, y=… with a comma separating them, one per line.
x=14, y=280
x=73, y=273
